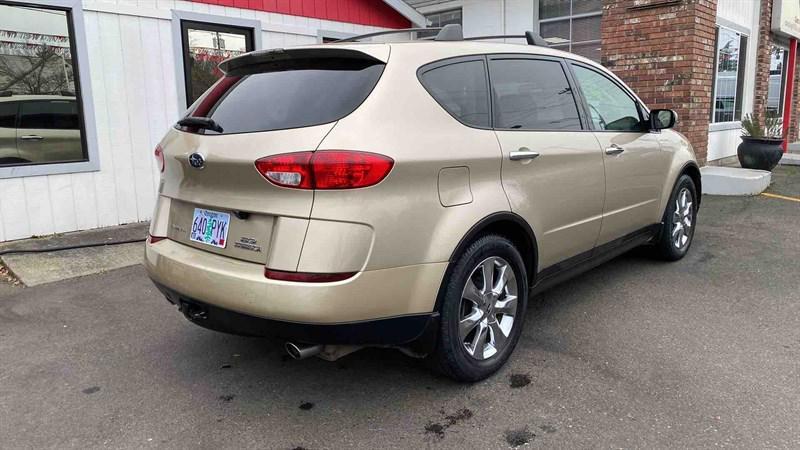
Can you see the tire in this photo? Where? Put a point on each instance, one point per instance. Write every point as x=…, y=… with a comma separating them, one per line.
x=680, y=220
x=496, y=315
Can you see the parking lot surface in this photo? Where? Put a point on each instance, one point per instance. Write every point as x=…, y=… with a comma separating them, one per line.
x=704, y=352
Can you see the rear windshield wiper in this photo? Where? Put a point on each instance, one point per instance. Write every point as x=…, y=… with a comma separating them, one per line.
x=200, y=122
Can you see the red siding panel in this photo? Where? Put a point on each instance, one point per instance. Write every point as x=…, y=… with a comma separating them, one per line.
x=362, y=12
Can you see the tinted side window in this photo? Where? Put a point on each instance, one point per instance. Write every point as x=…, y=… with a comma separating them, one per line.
x=8, y=115
x=532, y=95
x=611, y=107
x=461, y=89
x=55, y=114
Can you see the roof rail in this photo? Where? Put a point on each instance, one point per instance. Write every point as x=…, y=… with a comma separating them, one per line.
x=531, y=37
x=383, y=33
x=451, y=32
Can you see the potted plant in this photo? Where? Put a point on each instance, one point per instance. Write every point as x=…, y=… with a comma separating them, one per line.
x=761, y=142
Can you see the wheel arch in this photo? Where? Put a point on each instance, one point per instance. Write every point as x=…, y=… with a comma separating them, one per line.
x=507, y=224
x=693, y=171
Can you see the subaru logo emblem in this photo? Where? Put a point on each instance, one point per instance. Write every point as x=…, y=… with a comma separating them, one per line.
x=197, y=161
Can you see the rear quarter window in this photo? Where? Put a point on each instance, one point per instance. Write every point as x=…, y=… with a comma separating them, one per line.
x=289, y=94
x=461, y=89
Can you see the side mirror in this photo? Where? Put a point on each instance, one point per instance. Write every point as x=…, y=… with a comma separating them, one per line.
x=661, y=119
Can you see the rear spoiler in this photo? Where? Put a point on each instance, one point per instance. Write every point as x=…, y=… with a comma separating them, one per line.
x=377, y=53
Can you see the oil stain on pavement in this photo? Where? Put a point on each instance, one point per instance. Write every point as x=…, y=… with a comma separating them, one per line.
x=438, y=429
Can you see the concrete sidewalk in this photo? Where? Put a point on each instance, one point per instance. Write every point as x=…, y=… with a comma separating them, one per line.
x=49, y=261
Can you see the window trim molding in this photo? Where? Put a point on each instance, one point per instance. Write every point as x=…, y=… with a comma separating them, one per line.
x=75, y=8
x=178, y=16
x=569, y=17
x=725, y=126
x=733, y=26
x=330, y=34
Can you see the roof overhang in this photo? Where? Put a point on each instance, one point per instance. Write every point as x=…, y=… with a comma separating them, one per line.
x=417, y=19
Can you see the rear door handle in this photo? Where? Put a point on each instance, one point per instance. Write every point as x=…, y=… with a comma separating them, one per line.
x=614, y=150
x=31, y=137
x=522, y=153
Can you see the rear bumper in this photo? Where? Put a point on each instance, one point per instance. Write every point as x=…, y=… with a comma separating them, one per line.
x=391, y=331
x=373, y=307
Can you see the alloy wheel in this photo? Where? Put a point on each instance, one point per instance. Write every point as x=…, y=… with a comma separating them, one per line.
x=488, y=307
x=682, y=219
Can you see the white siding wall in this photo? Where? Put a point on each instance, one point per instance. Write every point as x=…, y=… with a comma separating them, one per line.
x=722, y=143
x=133, y=82
x=487, y=17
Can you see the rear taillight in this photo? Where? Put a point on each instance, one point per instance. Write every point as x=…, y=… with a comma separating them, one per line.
x=325, y=169
x=159, y=153
x=288, y=170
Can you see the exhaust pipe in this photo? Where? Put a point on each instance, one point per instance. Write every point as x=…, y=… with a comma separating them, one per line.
x=299, y=351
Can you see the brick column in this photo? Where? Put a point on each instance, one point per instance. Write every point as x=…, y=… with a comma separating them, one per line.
x=795, y=116
x=763, y=59
x=664, y=49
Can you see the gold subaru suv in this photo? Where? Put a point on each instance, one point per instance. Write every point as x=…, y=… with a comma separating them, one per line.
x=412, y=194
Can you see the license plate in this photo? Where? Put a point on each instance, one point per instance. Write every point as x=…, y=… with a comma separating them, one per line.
x=210, y=227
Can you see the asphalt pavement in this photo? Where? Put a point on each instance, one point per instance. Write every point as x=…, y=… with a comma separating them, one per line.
x=704, y=352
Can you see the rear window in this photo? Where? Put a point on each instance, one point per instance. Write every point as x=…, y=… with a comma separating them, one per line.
x=288, y=94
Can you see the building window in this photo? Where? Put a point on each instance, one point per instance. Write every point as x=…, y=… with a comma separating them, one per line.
x=205, y=45
x=572, y=25
x=440, y=19
x=777, y=80
x=41, y=119
x=729, y=79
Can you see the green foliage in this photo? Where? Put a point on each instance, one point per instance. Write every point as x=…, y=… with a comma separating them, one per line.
x=770, y=128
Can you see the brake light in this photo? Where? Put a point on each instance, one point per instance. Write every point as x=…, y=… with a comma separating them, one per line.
x=307, y=277
x=325, y=169
x=160, y=158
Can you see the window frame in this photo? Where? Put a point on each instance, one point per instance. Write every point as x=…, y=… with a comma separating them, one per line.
x=212, y=27
x=641, y=109
x=583, y=109
x=570, y=18
x=784, y=71
x=740, y=80
x=582, y=118
x=428, y=23
x=83, y=96
x=325, y=36
x=178, y=17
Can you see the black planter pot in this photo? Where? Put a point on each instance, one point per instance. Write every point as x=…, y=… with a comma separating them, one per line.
x=759, y=153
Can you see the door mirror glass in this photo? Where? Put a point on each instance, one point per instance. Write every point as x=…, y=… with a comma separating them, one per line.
x=661, y=119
